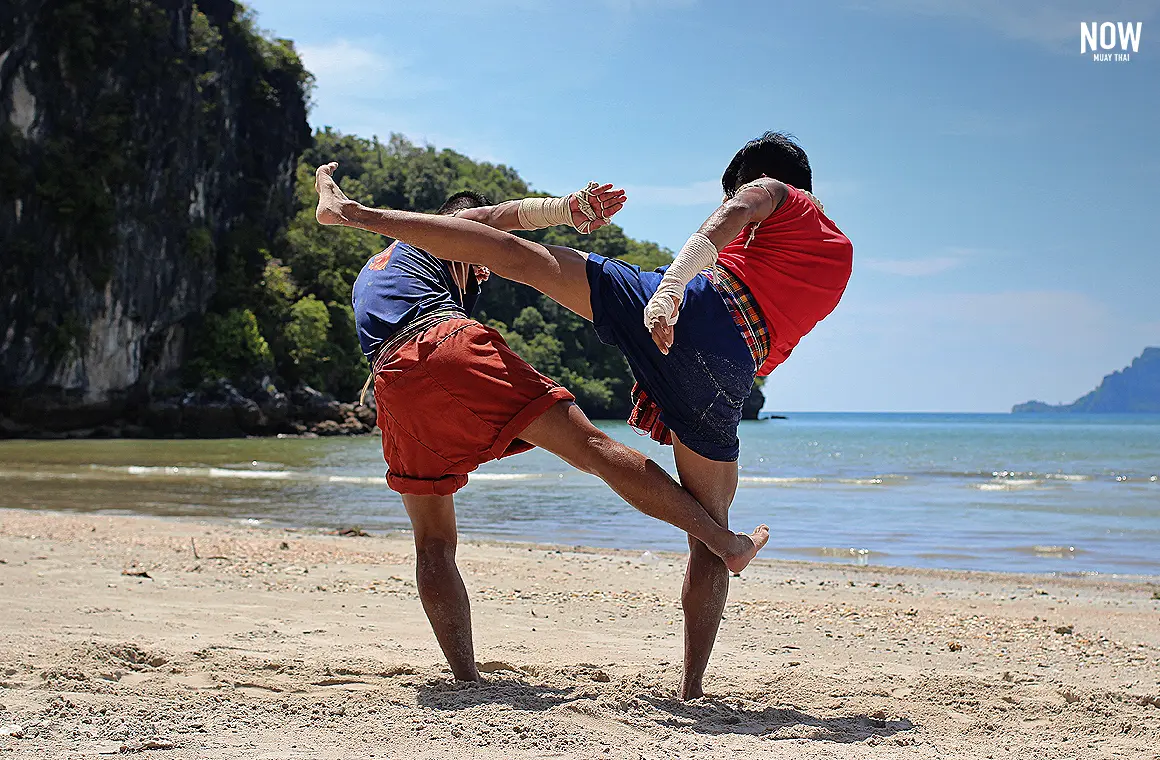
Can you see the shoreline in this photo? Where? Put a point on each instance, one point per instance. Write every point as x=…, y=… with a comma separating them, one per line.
x=481, y=539
x=264, y=642
x=270, y=524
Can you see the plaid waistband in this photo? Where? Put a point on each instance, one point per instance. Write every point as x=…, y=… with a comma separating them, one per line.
x=411, y=331
x=745, y=311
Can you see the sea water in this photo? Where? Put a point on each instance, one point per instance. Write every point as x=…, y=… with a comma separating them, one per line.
x=1038, y=493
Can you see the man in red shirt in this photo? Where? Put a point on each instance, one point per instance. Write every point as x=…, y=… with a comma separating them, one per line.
x=765, y=268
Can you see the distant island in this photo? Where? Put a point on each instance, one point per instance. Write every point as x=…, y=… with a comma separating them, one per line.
x=1134, y=389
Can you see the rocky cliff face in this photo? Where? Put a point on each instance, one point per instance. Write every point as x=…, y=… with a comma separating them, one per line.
x=1132, y=390
x=147, y=151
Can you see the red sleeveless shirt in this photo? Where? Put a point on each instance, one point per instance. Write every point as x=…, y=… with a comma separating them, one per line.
x=797, y=264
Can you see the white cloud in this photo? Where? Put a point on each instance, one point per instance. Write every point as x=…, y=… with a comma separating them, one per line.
x=836, y=188
x=356, y=70
x=911, y=267
x=947, y=259
x=707, y=193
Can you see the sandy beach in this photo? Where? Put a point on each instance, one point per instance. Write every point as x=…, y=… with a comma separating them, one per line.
x=185, y=639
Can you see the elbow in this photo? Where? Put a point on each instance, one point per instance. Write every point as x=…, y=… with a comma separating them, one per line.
x=741, y=209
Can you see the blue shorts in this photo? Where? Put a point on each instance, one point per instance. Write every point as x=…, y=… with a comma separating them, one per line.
x=703, y=382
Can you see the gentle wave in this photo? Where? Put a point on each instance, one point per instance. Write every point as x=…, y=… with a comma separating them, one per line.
x=1012, y=484
x=995, y=481
x=854, y=554
x=105, y=472
x=1048, y=551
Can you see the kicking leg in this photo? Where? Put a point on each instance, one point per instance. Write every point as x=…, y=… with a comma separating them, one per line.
x=566, y=432
x=441, y=588
x=555, y=271
x=707, y=578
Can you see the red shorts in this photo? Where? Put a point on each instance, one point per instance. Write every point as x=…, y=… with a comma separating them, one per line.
x=451, y=399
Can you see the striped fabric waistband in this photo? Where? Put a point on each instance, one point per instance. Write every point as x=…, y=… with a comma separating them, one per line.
x=745, y=311
x=412, y=330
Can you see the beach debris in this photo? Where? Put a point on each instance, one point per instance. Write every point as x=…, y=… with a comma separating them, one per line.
x=354, y=531
x=137, y=573
x=193, y=546
x=954, y=646
x=145, y=746
x=1069, y=696
x=284, y=545
x=1065, y=629
x=13, y=730
x=648, y=558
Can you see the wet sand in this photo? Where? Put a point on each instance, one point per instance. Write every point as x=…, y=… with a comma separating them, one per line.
x=186, y=639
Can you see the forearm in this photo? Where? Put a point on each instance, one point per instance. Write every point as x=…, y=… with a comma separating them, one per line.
x=502, y=216
x=698, y=254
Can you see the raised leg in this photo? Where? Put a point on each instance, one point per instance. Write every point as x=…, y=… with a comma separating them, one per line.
x=566, y=432
x=441, y=587
x=706, y=587
x=555, y=271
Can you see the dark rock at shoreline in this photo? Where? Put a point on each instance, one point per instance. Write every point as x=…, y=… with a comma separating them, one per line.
x=274, y=405
x=314, y=407
x=217, y=409
x=753, y=404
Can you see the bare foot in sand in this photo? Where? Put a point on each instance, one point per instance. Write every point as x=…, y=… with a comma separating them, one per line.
x=331, y=200
x=750, y=547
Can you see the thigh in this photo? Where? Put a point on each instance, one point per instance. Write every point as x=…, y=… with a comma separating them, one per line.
x=432, y=517
x=561, y=275
x=712, y=483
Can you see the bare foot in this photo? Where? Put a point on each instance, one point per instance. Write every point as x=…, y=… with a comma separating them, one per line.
x=691, y=692
x=751, y=544
x=331, y=199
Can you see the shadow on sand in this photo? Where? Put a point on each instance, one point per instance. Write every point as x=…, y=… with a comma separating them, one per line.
x=439, y=694
x=715, y=717
x=704, y=716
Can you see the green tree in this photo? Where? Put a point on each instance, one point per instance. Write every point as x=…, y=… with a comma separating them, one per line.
x=231, y=346
x=306, y=339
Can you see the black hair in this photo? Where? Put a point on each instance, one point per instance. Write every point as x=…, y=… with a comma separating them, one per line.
x=464, y=199
x=774, y=154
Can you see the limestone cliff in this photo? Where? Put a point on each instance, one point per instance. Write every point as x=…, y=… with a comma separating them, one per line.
x=147, y=151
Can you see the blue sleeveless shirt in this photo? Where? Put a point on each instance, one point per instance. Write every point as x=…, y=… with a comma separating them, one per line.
x=400, y=285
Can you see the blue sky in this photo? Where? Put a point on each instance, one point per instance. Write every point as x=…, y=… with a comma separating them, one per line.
x=1000, y=188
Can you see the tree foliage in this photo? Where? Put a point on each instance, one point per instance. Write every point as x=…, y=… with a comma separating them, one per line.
x=302, y=300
